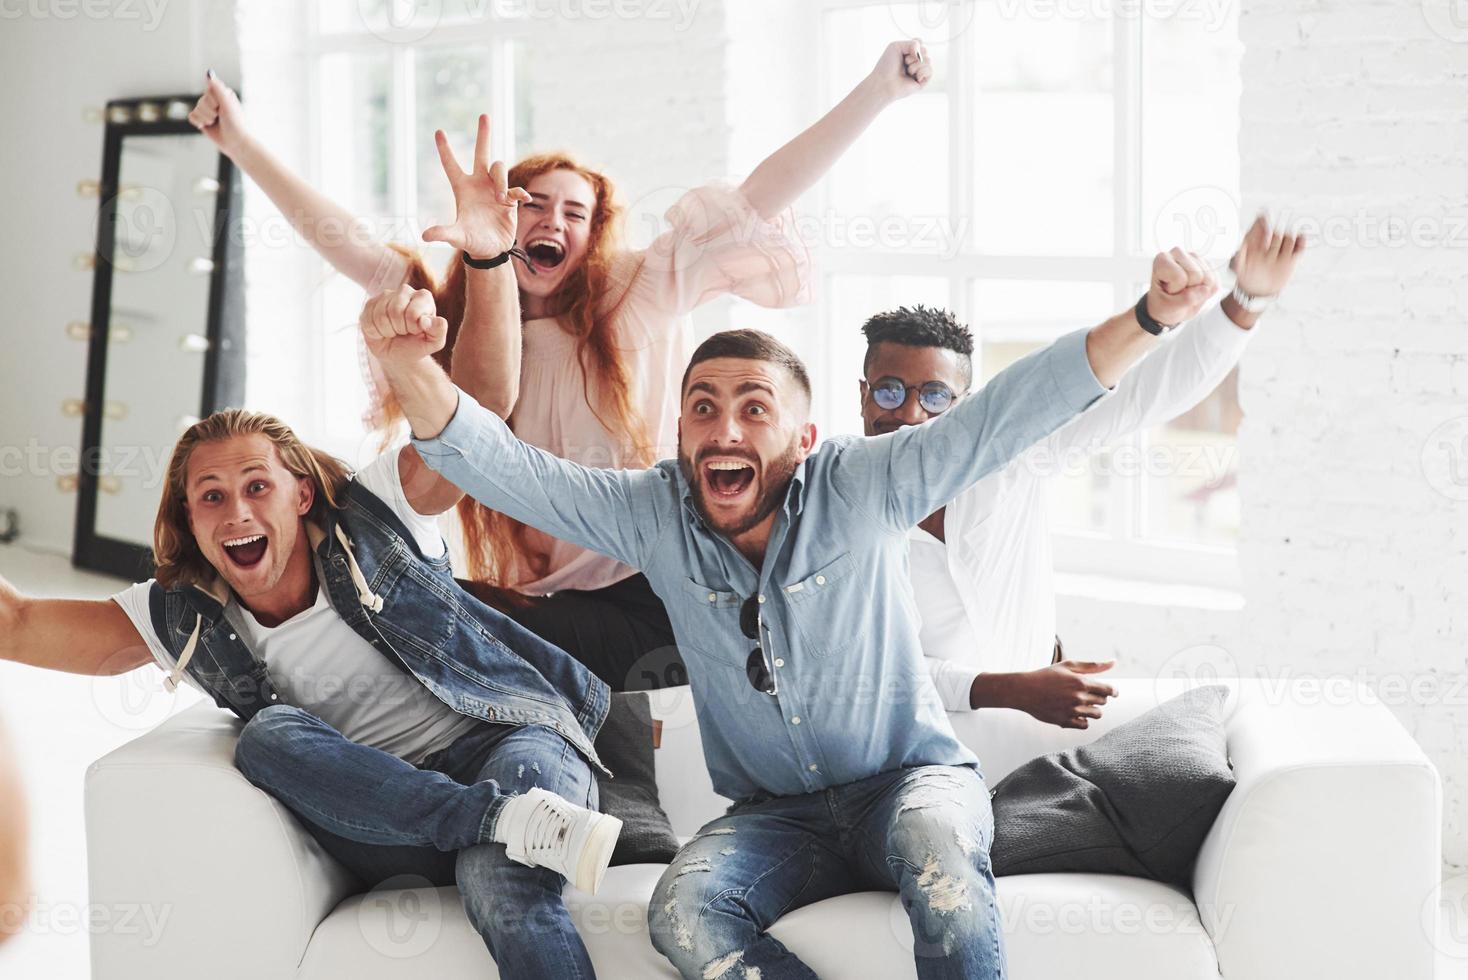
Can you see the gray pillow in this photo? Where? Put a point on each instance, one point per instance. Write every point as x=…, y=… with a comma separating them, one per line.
x=631, y=794
x=1137, y=801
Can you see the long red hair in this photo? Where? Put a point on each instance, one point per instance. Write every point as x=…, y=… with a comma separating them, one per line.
x=588, y=301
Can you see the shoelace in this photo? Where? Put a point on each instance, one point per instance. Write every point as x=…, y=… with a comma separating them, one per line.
x=546, y=829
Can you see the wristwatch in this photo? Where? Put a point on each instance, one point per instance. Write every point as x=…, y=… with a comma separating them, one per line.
x=1250, y=304
x=1149, y=324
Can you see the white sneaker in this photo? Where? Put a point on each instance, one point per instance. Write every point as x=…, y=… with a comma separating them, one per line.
x=542, y=830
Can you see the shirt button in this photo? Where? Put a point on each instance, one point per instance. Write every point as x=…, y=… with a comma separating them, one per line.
x=813, y=767
x=779, y=662
x=713, y=598
x=762, y=599
x=820, y=580
x=795, y=720
x=231, y=636
x=275, y=697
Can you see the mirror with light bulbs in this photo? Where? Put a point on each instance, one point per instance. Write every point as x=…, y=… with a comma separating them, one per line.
x=165, y=341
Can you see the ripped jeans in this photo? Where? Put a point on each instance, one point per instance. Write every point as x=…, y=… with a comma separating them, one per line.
x=922, y=832
x=386, y=820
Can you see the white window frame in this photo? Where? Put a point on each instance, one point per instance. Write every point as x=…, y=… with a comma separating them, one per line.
x=1119, y=552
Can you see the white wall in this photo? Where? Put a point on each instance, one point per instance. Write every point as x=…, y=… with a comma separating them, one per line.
x=56, y=67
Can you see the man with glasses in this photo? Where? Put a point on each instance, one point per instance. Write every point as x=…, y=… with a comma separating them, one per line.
x=783, y=567
x=981, y=566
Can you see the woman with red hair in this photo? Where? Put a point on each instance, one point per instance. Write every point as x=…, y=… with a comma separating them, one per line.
x=591, y=374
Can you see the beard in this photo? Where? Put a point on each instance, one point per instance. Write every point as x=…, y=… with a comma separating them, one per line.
x=774, y=480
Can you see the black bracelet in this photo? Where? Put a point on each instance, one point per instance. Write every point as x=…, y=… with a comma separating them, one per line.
x=1149, y=324
x=498, y=260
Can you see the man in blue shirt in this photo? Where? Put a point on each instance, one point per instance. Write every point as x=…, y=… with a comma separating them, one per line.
x=783, y=567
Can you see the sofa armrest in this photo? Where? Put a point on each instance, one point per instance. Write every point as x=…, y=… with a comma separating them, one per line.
x=1323, y=857
x=197, y=870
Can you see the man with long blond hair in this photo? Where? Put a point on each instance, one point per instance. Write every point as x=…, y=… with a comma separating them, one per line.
x=411, y=728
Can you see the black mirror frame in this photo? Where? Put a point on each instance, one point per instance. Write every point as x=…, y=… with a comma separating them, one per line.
x=223, y=382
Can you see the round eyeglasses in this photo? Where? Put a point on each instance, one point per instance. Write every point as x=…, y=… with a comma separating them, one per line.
x=890, y=394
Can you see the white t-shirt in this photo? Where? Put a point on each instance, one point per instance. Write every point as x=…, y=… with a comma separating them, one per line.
x=318, y=664
x=986, y=597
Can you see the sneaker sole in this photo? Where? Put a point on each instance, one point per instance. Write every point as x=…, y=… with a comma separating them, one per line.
x=597, y=855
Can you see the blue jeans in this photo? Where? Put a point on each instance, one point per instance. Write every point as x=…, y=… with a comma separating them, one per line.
x=922, y=832
x=383, y=818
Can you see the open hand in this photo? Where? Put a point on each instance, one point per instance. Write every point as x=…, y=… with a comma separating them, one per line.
x=218, y=115
x=903, y=69
x=1181, y=283
x=401, y=326
x=485, y=207
x=1062, y=694
x=1265, y=259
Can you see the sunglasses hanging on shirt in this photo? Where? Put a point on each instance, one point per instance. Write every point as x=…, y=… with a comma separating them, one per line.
x=759, y=674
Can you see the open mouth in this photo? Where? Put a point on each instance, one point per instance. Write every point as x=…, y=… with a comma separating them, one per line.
x=545, y=253
x=247, y=552
x=727, y=477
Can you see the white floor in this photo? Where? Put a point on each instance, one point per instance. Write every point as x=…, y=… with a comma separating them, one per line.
x=61, y=723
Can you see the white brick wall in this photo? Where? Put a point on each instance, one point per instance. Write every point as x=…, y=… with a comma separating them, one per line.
x=1355, y=531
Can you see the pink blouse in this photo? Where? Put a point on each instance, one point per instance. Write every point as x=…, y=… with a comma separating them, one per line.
x=715, y=244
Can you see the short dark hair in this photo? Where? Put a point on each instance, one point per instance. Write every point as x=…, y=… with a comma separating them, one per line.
x=749, y=345
x=920, y=326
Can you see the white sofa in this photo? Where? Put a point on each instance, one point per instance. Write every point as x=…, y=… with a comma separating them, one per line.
x=1322, y=864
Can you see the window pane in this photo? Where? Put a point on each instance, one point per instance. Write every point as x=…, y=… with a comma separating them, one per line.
x=1044, y=121
x=897, y=172
x=1011, y=319
x=851, y=300
x=1192, y=471
x=1190, y=117
x=453, y=88
x=353, y=132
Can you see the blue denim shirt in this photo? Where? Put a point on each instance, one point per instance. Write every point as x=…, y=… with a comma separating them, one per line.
x=840, y=625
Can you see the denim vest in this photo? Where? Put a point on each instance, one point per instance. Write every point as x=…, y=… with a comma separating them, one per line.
x=473, y=658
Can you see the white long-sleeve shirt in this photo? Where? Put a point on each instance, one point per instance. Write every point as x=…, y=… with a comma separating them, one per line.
x=987, y=596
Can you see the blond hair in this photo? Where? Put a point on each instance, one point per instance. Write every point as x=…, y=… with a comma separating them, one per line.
x=176, y=553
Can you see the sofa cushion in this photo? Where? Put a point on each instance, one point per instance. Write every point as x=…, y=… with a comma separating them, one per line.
x=1137, y=801
x=631, y=794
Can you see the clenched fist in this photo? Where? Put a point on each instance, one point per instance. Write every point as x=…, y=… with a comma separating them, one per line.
x=1181, y=283
x=903, y=68
x=1265, y=259
x=402, y=326
x=218, y=116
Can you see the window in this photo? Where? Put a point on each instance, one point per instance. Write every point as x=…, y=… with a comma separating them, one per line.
x=1059, y=146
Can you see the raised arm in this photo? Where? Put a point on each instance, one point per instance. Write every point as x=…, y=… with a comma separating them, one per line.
x=78, y=636
x=1194, y=362
x=341, y=238
x=614, y=512
x=791, y=170
x=486, y=357
x=901, y=477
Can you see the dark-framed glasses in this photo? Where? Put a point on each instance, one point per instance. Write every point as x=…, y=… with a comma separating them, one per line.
x=755, y=668
x=890, y=394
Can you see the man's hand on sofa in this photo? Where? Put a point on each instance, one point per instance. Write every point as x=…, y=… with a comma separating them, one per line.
x=1062, y=694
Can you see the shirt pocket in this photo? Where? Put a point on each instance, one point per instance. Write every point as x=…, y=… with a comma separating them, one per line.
x=708, y=623
x=822, y=612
